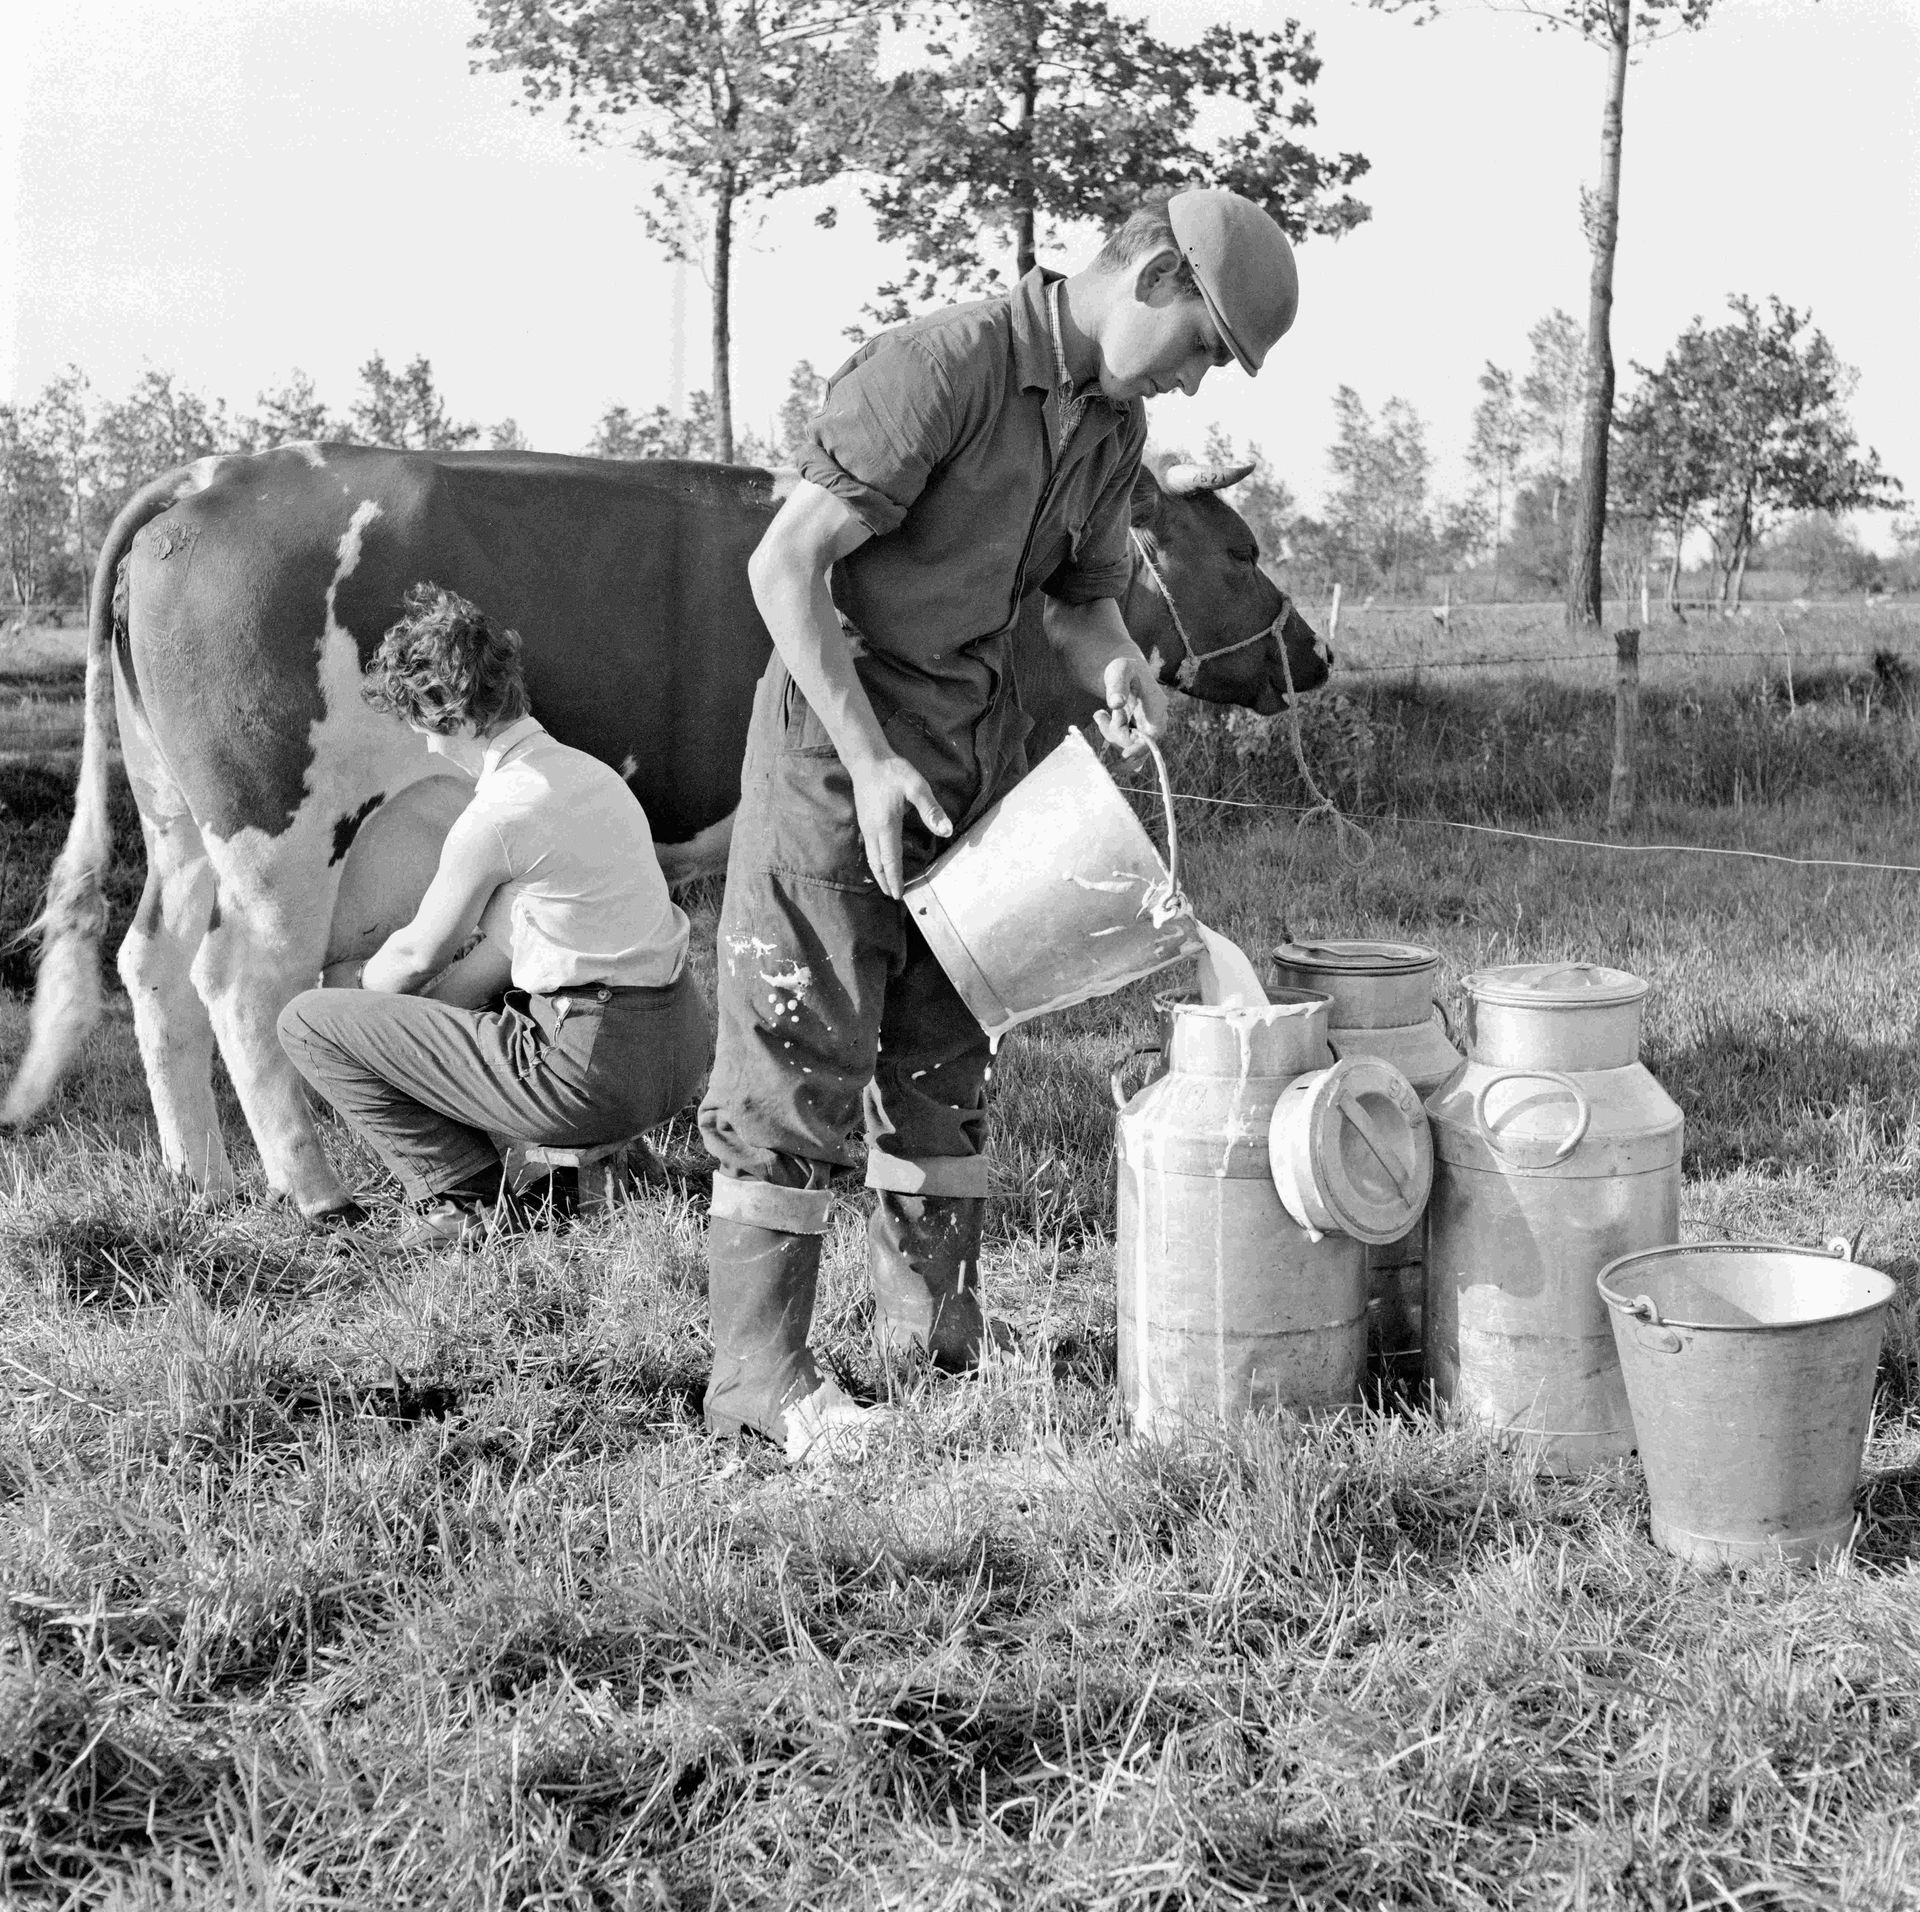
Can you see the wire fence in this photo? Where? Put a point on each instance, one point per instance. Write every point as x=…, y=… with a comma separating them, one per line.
x=1807, y=658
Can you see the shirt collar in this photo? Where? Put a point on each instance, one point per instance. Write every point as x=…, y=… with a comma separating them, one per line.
x=1032, y=336
x=503, y=743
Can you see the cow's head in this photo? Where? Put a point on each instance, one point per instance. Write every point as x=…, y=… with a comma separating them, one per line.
x=1200, y=606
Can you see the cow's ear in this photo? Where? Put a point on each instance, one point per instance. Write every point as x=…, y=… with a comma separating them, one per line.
x=1146, y=495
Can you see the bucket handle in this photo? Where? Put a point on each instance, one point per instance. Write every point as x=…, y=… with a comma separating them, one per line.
x=1649, y=1330
x=1568, y=1143
x=1120, y=1096
x=1166, y=804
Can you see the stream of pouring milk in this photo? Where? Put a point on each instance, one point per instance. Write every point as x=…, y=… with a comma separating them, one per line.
x=1227, y=979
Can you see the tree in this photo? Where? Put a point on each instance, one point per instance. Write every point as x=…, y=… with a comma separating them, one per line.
x=1377, y=509
x=621, y=433
x=158, y=425
x=405, y=410
x=290, y=415
x=725, y=96
x=1062, y=111
x=806, y=393
x=1664, y=470
x=33, y=512
x=1617, y=27
x=1494, y=450
x=1823, y=551
x=1748, y=422
x=63, y=421
x=507, y=436
x=1551, y=396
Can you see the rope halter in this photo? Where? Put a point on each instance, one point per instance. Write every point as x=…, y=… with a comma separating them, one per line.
x=1194, y=659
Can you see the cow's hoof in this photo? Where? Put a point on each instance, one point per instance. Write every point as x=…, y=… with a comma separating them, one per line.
x=329, y=1221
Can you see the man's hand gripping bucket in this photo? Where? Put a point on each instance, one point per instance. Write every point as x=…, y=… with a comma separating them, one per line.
x=1055, y=895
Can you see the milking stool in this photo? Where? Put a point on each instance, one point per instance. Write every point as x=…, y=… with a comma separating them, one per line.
x=599, y=1173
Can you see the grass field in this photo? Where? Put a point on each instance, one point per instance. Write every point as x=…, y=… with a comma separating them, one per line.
x=335, y=1582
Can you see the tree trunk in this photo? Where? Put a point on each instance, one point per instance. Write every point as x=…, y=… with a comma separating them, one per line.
x=1024, y=255
x=1673, y=570
x=1499, y=516
x=80, y=544
x=1590, y=520
x=722, y=321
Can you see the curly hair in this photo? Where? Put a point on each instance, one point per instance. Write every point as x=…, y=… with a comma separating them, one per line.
x=1145, y=231
x=445, y=664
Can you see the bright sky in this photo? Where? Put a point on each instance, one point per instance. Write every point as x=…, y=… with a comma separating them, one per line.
x=237, y=188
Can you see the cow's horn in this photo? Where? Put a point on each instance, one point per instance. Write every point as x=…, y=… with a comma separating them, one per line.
x=1184, y=480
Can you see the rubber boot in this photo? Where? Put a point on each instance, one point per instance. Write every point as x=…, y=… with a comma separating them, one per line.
x=760, y=1290
x=923, y=1258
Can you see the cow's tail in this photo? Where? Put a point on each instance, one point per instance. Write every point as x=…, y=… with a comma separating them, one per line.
x=66, y=996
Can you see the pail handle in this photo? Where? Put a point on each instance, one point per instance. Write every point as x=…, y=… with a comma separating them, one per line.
x=1568, y=1143
x=1166, y=805
x=1649, y=1330
x=1120, y=1096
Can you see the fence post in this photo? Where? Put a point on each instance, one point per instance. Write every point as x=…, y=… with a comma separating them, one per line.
x=1333, y=616
x=1626, y=725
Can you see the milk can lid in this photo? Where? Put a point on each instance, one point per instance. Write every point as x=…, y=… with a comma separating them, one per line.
x=1368, y=1150
x=1570, y=985
x=1357, y=958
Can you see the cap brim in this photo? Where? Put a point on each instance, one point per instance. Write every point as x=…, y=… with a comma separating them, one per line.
x=1247, y=364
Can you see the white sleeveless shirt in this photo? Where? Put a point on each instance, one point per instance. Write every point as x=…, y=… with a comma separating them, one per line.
x=586, y=900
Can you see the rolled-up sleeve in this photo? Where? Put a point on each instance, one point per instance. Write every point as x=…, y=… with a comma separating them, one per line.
x=889, y=418
x=1100, y=565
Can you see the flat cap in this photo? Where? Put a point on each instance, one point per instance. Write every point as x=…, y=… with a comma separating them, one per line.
x=1243, y=266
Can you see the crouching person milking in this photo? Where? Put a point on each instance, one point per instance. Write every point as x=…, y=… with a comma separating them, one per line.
x=602, y=1033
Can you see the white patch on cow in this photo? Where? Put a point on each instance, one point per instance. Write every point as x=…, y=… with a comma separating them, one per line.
x=310, y=452
x=628, y=765
x=702, y=855
x=277, y=895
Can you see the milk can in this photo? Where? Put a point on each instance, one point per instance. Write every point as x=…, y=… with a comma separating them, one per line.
x=1226, y=1305
x=1382, y=1004
x=1555, y=1152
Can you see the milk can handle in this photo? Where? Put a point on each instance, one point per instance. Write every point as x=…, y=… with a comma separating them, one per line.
x=1446, y=1021
x=1120, y=1096
x=1569, y=1142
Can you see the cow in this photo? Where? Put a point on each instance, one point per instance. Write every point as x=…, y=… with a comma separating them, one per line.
x=236, y=603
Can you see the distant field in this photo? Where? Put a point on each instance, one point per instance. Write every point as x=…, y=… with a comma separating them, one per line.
x=1400, y=636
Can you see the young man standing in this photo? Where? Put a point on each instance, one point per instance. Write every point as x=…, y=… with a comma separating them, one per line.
x=959, y=462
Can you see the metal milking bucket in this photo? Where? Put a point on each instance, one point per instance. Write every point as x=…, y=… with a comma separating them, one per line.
x=1749, y=1368
x=1054, y=896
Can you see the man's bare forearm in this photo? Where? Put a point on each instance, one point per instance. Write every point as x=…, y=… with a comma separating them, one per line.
x=1088, y=637
x=805, y=628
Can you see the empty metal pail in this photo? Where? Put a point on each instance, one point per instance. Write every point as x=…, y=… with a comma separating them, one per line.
x=1749, y=1370
x=1053, y=896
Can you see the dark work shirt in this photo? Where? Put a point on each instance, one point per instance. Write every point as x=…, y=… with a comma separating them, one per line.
x=939, y=437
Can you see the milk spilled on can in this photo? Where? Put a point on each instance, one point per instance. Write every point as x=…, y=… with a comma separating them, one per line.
x=1227, y=979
